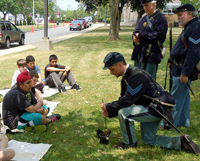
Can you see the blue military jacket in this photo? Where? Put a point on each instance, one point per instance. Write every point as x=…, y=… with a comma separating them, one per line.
x=135, y=83
x=191, y=56
x=148, y=36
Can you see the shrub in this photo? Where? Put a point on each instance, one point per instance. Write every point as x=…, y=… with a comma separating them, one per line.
x=108, y=20
x=24, y=22
x=29, y=20
x=20, y=22
x=17, y=23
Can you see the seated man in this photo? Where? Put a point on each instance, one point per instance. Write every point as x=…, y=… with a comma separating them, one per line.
x=30, y=60
x=138, y=90
x=56, y=79
x=21, y=63
x=34, y=77
x=21, y=110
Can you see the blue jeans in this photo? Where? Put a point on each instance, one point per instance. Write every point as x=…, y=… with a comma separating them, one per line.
x=148, y=124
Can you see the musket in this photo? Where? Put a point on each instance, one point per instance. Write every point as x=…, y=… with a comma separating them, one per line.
x=170, y=48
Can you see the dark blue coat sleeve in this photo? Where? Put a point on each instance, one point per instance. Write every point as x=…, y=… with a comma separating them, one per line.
x=193, y=53
x=130, y=94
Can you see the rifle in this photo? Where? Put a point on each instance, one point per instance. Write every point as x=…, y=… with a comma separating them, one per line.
x=170, y=48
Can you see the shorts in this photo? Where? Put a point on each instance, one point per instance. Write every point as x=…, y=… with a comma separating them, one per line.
x=29, y=119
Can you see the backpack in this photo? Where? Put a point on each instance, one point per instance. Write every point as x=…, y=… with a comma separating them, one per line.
x=196, y=71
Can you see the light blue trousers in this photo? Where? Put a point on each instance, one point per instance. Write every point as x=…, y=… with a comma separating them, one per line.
x=148, y=124
x=181, y=94
x=151, y=68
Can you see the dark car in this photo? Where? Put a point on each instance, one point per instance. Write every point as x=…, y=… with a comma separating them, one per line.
x=86, y=24
x=76, y=24
x=10, y=33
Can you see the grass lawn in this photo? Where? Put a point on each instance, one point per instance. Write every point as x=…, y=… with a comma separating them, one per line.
x=74, y=136
x=38, y=26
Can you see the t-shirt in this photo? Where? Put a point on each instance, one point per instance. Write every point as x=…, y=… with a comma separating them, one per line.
x=35, y=68
x=47, y=72
x=14, y=104
x=14, y=78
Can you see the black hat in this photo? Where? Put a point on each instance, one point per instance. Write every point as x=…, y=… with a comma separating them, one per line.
x=112, y=58
x=145, y=1
x=185, y=7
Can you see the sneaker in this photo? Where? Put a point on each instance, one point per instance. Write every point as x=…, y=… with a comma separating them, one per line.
x=62, y=89
x=37, y=128
x=76, y=87
x=54, y=117
x=125, y=146
x=189, y=145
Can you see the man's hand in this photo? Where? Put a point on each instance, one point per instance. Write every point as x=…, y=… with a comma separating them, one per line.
x=136, y=38
x=183, y=79
x=68, y=68
x=104, y=110
x=41, y=110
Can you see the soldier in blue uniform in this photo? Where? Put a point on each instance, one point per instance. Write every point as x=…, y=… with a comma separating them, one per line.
x=137, y=86
x=185, y=54
x=148, y=37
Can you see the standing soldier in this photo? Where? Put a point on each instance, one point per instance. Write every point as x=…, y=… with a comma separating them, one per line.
x=185, y=54
x=148, y=37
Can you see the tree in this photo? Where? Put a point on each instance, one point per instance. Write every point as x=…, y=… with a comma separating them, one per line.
x=25, y=7
x=115, y=15
x=7, y=6
x=114, y=20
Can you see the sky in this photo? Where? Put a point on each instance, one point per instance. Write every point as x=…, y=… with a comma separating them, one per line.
x=67, y=4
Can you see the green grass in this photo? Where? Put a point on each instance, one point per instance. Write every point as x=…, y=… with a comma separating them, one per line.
x=38, y=26
x=74, y=136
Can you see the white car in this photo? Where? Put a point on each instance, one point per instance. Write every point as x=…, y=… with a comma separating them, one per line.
x=89, y=20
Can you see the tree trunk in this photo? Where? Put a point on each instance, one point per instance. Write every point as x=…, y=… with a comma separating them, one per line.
x=15, y=19
x=139, y=16
x=114, y=20
x=120, y=12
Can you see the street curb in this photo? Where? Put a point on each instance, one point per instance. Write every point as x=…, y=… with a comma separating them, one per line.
x=54, y=40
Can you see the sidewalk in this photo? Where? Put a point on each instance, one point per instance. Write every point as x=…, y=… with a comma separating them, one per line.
x=54, y=40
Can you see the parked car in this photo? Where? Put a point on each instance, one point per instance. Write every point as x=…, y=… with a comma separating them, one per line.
x=76, y=24
x=89, y=19
x=86, y=24
x=10, y=33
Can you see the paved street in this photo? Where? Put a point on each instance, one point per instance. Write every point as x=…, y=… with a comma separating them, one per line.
x=34, y=43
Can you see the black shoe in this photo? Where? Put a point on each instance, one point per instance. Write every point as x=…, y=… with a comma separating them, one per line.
x=189, y=145
x=76, y=87
x=125, y=146
x=54, y=117
x=61, y=88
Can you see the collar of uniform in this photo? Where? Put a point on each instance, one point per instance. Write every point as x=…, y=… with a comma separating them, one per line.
x=155, y=13
x=191, y=21
x=126, y=69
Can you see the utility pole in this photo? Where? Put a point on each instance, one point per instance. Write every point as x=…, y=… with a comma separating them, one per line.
x=45, y=43
x=33, y=13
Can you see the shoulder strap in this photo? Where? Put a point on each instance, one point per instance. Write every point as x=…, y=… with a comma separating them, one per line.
x=185, y=42
x=148, y=20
